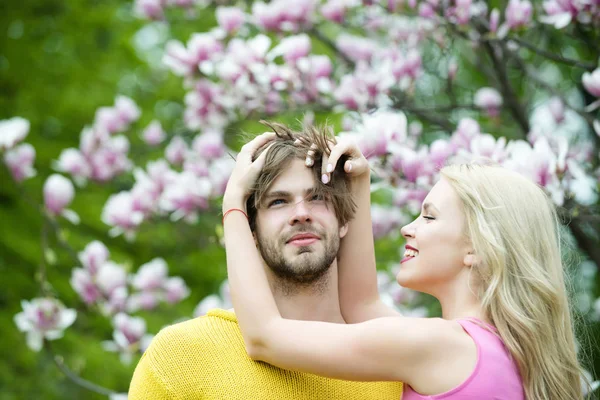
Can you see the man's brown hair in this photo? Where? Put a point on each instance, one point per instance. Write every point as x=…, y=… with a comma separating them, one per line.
x=283, y=149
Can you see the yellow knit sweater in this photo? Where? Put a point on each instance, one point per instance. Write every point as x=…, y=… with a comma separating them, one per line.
x=205, y=358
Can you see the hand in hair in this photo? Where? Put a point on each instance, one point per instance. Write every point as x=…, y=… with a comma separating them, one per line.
x=245, y=172
x=355, y=165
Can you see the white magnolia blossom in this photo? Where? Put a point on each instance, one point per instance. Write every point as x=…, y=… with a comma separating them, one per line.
x=43, y=318
x=13, y=131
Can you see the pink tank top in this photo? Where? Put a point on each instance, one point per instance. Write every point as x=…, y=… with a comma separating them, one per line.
x=495, y=376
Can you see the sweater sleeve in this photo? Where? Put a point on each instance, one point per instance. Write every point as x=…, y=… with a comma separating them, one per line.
x=148, y=382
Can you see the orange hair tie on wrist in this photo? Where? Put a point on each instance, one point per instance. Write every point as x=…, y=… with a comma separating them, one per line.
x=234, y=209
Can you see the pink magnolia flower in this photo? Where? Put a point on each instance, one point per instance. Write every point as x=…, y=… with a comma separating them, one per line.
x=351, y=93
x=143, y=301
x=494, y=20
x=291, y=48
x=560, y=13
x=377, y=131
x=129, y=337
x=58, y=194
x=176, y=290
x=385, y=220
x=176, y=150
x=150, y=276
x=119, y=213
x=485, y=146
x=230, y=19
x=110, y=276
x=557, y=109
x=13, y=131
x=185, y=196
x=591, y=82
x=43, y=318
x=149, y=9
x=19, y=161
x=83, y=283
x=110, y=159
x=466, y=130
x=518, y=13
x=427, y=10
x=489, y=99
x=413, y=165
x=178, y=60
x=461, y=12
x=127, y=111
x=219, y=173
x=335, y=10
x=439, y=152
x=209, y=145
x=73, y=162
x=539, y=163
x=283, y=16
x=357, y=48
x=116, y=302
x=93, y=256
x=154, y=134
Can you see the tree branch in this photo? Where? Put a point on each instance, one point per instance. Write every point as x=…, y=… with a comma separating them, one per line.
x=516, y=108
x=329, y=43
x=92, y=387
x=551, y=56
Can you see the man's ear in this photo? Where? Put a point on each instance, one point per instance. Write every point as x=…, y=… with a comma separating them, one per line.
x=343, y=230
x=470, y=259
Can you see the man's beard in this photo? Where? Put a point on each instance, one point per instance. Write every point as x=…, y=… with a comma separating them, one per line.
x=304, y=270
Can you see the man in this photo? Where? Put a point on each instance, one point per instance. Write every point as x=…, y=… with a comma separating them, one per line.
x=205, y=358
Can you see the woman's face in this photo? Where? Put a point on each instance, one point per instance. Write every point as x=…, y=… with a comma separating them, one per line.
x=436, y=247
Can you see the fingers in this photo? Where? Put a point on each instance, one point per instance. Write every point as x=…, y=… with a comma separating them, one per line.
x=260, y=160
x=325, y=177
x=310, y=155
x=248, y=150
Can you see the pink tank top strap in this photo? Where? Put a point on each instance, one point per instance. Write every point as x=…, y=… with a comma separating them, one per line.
x=494, y=376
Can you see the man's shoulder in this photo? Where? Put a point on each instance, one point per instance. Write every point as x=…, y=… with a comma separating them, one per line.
x=200, y=329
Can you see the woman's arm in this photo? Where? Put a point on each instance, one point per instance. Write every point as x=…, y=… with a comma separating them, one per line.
x=358, y=291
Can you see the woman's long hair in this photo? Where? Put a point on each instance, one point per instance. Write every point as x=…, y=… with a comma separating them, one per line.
x=514, y=230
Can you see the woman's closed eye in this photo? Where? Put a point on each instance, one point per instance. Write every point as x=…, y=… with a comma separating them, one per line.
x=429, y=217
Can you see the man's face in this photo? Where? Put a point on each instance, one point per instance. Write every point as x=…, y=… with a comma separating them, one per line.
x=297, y=231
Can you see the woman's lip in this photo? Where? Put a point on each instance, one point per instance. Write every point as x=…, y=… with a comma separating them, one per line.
x=409, y=247
x=304, y=241
x=405, y=259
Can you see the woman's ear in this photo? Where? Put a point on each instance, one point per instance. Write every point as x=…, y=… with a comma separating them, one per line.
x=470, y=259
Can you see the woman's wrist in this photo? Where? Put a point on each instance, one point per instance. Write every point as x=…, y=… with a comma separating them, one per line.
x=231, y=201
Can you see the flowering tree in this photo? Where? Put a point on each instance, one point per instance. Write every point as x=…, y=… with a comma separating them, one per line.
x=417, y=83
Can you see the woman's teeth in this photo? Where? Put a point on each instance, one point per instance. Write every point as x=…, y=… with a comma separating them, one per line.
x=411, y=253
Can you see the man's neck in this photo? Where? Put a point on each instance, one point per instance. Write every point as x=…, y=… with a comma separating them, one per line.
x=318, y=301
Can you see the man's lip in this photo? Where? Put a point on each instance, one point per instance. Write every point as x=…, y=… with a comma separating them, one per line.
x=409, y=247
x=303, y=236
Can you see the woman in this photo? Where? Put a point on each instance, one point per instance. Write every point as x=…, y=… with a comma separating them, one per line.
x=486, y=245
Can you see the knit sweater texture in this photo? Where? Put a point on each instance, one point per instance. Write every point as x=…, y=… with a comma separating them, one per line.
x=205, y=358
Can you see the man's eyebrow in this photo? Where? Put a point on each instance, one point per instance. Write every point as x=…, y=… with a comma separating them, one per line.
x=283, y=193
x=277, y=193
x=429, y=207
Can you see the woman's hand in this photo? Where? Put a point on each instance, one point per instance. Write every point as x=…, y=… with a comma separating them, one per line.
x=245, y=172
x=356, y=165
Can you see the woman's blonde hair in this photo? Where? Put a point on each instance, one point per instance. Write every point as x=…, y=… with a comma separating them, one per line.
x=514, y=230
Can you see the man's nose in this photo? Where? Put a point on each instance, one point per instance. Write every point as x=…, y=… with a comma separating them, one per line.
x=301, y=213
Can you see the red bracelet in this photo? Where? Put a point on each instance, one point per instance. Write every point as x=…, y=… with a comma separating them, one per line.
x=234, y=209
